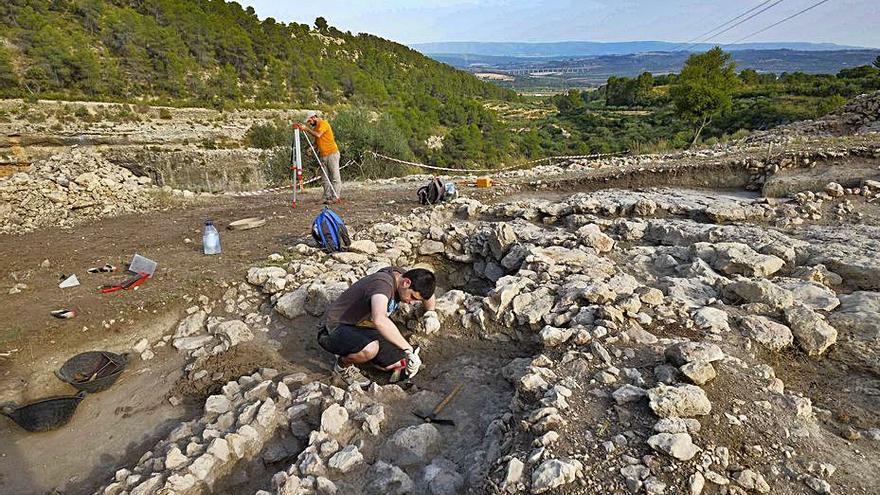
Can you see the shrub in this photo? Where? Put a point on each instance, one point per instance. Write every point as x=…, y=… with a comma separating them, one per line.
x=269, y=135
x=164, y=113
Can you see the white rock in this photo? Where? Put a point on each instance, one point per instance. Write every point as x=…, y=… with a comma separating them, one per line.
x=554, y=473
x=191, y=325
x=811, y=332
x=678, y=445
x=514, y=473
x=413, y=444
x=683, y=401
x=293, y=304
x=772, y=335
x=334, y=419
x=346, y=459
x=689, y=352
x=217, y=404
x=175, y=458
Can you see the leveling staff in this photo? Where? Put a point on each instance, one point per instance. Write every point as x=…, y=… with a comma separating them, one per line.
x=329, y=152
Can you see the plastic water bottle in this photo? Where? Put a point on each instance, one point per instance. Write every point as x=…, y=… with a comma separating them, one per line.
x=211, y=238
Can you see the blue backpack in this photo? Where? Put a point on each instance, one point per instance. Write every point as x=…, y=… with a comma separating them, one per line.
x=329, y=231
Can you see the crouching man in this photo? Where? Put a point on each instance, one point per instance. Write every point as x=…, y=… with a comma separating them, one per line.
x=357, y=328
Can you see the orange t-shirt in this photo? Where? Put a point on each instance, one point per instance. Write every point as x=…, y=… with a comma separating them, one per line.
x=326, y=143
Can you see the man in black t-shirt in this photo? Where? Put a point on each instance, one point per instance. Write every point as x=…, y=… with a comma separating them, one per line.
x=357, y=329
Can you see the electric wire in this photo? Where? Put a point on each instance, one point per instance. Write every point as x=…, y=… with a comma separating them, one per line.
x=709, y=32
x=811, y=7
x=752, y=16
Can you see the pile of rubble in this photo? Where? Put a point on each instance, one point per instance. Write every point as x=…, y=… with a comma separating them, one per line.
x=657, y=314
x=69, y=188
x=860, y=116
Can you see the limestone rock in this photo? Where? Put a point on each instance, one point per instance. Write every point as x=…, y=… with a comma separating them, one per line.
x=388, y=480
x=761, y=291
x=678, y=445
x=233, y=332
x=443, y=478
x=413, y=444
x=334, y=419
x=772, y=335
x=628, y=393
x=683, y=401
x=555, y=473
x=293, y=304
x=346, y=459
x=811, y=332
x=553, y=336
x=691, y=352
x=429, y=246
x=364, y=246
x=699, y=373
x=191, y=325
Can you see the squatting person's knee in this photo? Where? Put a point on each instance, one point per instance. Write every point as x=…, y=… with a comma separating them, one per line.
x=367, y=353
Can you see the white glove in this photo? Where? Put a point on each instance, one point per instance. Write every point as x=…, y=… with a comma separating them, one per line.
x=413, y=362
x=431, y=322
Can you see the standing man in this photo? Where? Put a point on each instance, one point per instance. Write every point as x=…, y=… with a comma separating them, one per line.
x=357, y=329
x=323, y=133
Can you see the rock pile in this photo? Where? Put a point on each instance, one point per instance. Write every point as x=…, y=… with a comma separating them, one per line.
x=861, y=115
x=69, y=188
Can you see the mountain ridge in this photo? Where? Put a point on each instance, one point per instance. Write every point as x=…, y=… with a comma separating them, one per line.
x=592, y=48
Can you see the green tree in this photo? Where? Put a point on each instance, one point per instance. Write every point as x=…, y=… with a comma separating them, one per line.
x=750, y=77
x=321, y=24
x=704, y=89
x=8, y=79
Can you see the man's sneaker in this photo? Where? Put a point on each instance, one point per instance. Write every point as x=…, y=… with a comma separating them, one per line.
x=351, y=375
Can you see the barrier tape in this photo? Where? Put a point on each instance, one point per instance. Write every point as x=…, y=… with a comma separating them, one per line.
x=455, y=171
x=495, y=170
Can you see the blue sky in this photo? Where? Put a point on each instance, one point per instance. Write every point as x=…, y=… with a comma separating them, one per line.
x=851, y=22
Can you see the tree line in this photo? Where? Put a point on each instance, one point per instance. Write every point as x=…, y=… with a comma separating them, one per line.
x=707, y=101
x=217, y=54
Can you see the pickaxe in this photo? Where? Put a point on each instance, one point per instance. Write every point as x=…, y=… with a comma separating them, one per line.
x=432, y=418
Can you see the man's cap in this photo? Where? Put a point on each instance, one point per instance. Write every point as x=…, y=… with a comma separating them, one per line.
x=310, y=114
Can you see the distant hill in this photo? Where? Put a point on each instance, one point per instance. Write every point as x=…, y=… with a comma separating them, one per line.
x=532, y=72
x=594, y=48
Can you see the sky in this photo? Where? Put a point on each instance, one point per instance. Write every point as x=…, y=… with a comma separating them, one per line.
x=848, y=22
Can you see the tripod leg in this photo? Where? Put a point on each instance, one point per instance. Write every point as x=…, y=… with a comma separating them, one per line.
x=321, y=166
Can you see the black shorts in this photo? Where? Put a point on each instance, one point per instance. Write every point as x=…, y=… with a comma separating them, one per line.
x=349, y=339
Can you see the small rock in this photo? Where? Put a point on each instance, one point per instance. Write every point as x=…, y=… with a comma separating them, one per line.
x=554, y=473
x=678, y=445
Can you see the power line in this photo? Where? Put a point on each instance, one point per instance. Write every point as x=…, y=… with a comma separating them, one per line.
x=811, y=7
x=692, y=40
x=752, y=16
x=765, y=9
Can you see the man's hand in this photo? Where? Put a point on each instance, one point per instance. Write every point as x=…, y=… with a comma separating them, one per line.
x=297, y=125
x=431, y=322
x=413, y=362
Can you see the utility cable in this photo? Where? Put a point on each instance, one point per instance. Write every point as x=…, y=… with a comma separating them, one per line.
x=752, y=16
x=709, y=32
x=811, y=7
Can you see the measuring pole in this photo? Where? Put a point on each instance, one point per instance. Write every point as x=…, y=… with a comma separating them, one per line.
x=295, y=164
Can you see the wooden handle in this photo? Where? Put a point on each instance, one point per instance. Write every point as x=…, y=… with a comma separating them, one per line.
x=445, y=402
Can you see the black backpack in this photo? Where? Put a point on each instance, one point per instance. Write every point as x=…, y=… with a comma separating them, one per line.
x=329, y=231
x=432, y=193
